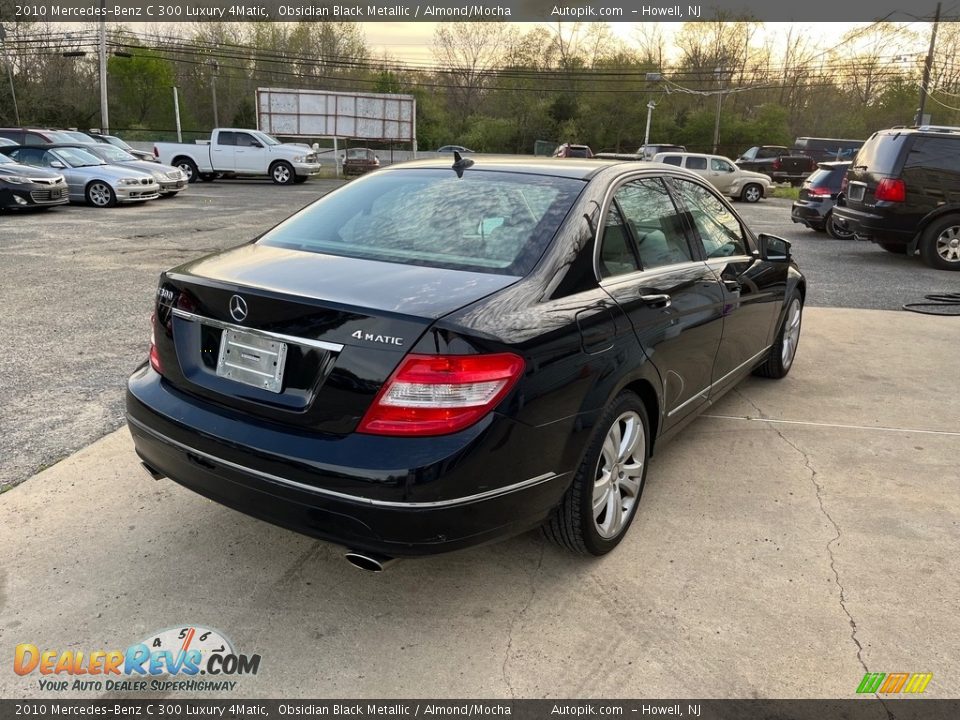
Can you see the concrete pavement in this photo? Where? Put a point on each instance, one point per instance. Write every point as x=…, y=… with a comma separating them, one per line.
x=768, y=559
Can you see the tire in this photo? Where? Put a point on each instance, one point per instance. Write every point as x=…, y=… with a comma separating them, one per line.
x=895, y=248
x=595, y=513
x=188, y=167
x=834, y=231
x=784, y=350
x=100, y=194
x=208, y=177
x=282, y=173
x=751, y=193
x=300, y=179
x=940, y=244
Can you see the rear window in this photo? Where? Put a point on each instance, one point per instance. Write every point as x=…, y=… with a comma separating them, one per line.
x=827, y=177
x=879, y=154
x=492, y=222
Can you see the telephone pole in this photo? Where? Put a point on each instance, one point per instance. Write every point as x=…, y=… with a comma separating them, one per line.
x=927, y=67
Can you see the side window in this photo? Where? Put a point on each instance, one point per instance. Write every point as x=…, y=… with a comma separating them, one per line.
x=696, y=163
x=673, y=160
x=653, y=222
x=227, y=138
x=616, y=254
x=33, y=139
x=29, y=156
x=938, y=153
x=719, y=230
x=719, y=165
x=244, y=140
x=767, y=153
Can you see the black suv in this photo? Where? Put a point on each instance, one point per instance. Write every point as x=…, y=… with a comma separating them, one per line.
x=903, y=193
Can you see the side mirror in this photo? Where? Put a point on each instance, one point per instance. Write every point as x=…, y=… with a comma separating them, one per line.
x=773, y=248
x=57, y=164
x=256, y=143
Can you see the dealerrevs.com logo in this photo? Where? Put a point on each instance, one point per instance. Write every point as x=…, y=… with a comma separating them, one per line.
x=170, y=660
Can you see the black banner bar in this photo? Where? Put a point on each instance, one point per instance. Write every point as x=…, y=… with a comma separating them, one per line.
x=866, y=708
x=167, y=11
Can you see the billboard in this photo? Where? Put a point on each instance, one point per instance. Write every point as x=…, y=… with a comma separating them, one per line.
x=319, y=113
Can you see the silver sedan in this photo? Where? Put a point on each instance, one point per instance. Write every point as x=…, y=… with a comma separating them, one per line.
x=171, y=179
x=90, y=179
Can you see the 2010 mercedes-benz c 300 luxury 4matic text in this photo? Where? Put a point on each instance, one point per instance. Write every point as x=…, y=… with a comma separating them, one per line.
x=437, y=356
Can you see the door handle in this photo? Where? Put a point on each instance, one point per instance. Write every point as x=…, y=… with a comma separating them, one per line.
x=657, y=300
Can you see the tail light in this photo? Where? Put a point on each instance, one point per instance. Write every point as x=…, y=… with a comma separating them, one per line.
x=156, y=153
x=777, y=164
x=843, y=185
x=440, y=394
x=154, y=355
x=821, y=192
x=891, y=190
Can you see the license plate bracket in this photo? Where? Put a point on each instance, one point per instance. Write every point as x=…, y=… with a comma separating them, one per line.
x=252, y=359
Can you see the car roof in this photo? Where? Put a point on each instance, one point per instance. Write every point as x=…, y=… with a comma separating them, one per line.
x=579, y=168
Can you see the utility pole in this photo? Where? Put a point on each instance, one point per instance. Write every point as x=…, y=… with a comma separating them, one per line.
x=104, y=110
x=176, y=113
x=716, y=125
x=927, y=67
x=646, y=135
x=213, y=84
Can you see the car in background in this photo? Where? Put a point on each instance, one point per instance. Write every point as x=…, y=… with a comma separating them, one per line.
x=4, y=142
x=903, y=193
x=454, y=148
x=171, y=179
x=546, y=326
x=22, y=186
x=723, y=174
x=357, y=161
x=34, y=136
x=123, y=145
x=817, y=198
x=89, y=178
x=568, y=150
x=77, y=136
x=649, y=151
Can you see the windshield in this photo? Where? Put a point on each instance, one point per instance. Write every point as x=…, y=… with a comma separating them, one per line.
x=114, y=140
x=494, y=222
x=77, y=136
x=4, y=160
x=264, y=138
x=111, y=153
x=75, y=157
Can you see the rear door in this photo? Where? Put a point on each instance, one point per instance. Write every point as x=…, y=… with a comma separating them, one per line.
x=223, y=151
x=673, y=300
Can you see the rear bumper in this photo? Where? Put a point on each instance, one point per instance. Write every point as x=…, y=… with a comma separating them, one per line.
x=872, y=226
x=394, y=496
x=809, y=213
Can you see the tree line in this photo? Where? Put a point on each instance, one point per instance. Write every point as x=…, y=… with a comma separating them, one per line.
x=497, y=87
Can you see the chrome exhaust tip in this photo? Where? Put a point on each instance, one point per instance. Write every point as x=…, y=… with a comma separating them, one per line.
x=371, y=562
x=155, y=474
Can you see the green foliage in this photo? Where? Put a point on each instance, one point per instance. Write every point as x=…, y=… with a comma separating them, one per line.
x=246, y=115
x=138, y=87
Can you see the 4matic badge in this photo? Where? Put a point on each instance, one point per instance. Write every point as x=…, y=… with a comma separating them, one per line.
x=373, y=337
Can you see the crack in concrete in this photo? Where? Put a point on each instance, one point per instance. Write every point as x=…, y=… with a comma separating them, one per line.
x=516, y=620
x=819, y=492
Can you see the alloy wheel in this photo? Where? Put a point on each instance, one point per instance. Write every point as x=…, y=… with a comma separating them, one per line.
x=619, y=476
x=100, y=194
x=281, y=173
x=791, y=334
x=948, y=244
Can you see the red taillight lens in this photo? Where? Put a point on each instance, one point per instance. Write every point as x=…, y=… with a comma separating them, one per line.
x=843, y=184
x=891, y=190
x=156, y=153
x=441, y=394
x=777, y=164
x=818, y=192
x=154, y=355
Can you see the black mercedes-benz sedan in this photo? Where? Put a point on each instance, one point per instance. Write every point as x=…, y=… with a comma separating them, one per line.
x=439, y=354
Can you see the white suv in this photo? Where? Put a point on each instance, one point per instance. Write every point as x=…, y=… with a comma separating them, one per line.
x=722, y=173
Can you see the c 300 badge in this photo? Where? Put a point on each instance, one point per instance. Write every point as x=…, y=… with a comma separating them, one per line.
x=373, y=337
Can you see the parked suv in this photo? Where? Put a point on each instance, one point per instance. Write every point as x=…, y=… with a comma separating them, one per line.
x=903, y=193
x=722, y=173
x=817, y=198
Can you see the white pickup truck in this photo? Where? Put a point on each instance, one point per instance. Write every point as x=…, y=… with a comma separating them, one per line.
x=235, y=151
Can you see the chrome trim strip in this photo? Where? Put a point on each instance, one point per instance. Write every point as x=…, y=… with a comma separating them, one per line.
x=339, y=495
x=706, y=391
x=292, y=339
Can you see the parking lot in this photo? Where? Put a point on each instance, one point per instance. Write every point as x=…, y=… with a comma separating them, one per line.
x=799, y=535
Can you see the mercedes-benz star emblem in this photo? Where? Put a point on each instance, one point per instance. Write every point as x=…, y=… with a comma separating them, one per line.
x=238, y=308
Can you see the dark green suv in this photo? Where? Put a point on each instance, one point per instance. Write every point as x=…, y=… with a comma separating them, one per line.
x=903, y=193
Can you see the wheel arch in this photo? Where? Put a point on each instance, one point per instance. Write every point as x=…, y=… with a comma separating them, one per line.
x=644, y=389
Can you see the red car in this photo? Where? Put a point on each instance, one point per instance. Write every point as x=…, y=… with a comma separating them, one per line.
x=573, y=151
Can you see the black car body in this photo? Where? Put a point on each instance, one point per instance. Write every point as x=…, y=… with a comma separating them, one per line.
x=433, y=357
x=123, y=145
x=22, y=186
x=903, y=193
x=817, y=197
